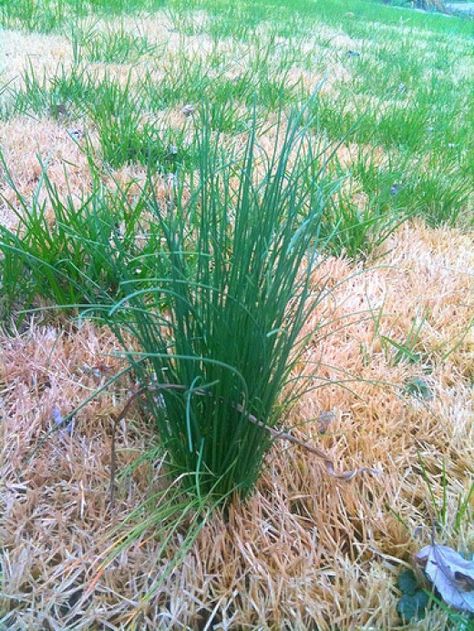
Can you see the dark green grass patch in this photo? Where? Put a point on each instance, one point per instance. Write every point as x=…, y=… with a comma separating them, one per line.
x=74, y=252
x=57, y=96
x=116, y=46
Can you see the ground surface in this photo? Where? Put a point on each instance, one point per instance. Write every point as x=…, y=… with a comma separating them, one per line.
x=306, y=551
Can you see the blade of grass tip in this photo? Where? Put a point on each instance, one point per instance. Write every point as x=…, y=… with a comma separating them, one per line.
x=464, y=507
x=459, y=341
x=424, y=474
x=444, y=486
x=198, y=470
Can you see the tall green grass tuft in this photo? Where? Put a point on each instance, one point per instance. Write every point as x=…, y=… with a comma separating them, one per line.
x=116, y=46
x=127, y=136
x=58, y=96
x=240, y=243
x=74, y=252
x=45, y=16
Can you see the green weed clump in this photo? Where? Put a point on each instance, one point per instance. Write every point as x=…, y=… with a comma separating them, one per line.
x=59, y=96
x=127, y=137
x=45, y=16
x=116, y=46
x=240, y=243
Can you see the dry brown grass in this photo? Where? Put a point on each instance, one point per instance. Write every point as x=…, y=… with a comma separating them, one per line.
x=305, y=549
x=19, y=51
x=28, y=143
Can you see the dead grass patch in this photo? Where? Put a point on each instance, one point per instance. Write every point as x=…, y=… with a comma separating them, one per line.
x=19, y=50
x=27, y=142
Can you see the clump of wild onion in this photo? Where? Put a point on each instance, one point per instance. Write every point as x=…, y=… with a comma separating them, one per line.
x=239, y=247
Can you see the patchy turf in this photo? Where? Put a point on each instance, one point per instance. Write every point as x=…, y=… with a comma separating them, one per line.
x=391, y=350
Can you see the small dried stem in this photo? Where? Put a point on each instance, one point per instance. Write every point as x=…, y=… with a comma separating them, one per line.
x=346, y=475
x=119, y=417
x=275, y=434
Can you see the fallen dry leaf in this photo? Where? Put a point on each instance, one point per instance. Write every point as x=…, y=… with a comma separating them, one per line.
x=451, y=574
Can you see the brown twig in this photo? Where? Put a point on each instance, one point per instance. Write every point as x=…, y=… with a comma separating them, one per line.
x=115, y=421
x=275, y=434
x=346, y=475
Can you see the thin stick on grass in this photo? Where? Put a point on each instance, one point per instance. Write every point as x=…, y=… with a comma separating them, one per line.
x=274, y=433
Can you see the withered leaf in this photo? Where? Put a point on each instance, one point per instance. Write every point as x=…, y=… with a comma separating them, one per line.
x=451, y=574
